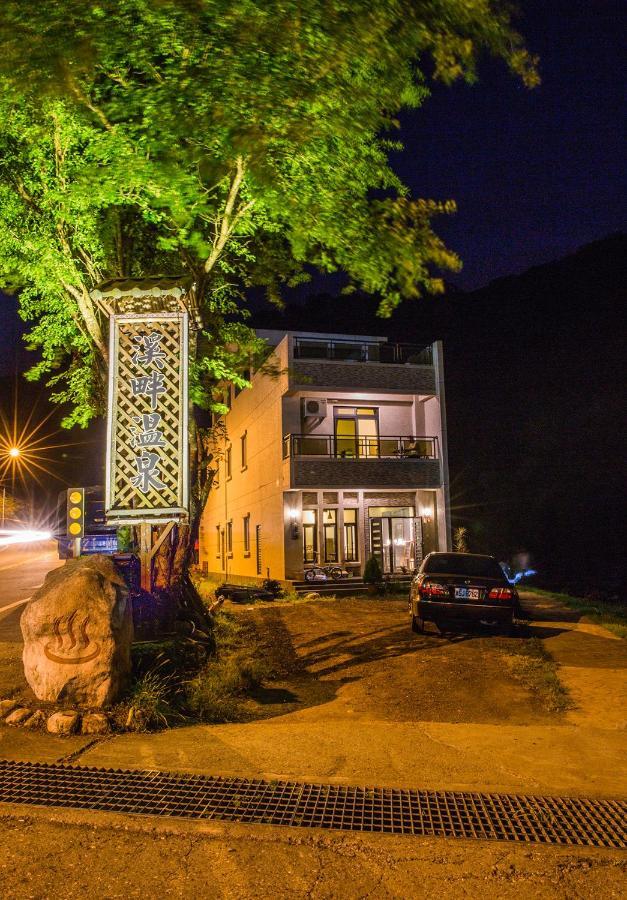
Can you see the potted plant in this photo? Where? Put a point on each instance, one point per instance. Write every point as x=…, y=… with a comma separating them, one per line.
x=373, y=575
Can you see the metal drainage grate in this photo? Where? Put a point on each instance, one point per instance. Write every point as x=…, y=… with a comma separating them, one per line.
x=454, y=814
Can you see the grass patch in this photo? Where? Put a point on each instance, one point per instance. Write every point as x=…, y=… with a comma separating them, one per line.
x=219, y=691
x=532, y=665
x=612, y=616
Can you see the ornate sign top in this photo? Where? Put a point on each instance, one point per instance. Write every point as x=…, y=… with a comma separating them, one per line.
x=147, y=475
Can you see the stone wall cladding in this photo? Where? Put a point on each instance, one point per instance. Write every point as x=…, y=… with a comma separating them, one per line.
x=362, y=376
x=364, y=473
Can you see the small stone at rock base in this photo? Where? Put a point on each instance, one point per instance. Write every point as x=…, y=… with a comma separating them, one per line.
x=95, y=723
x=7, y=706
x=62, y=723
x=18, y=716
x=37, y=720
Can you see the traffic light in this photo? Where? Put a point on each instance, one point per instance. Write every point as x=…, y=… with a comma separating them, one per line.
x=76, y=512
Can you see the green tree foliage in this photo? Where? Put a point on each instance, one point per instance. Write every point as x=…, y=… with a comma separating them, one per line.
x=237, y=140
x=243, y=142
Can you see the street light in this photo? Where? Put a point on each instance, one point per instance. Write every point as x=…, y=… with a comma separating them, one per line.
x=14, y=452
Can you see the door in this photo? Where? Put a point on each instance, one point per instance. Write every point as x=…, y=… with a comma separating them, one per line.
x=396, y=542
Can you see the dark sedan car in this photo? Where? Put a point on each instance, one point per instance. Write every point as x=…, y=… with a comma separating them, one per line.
x=462, y=587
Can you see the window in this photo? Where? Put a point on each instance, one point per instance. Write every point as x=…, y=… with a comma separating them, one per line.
x=229, y=538
x=356, y=431
x=258, y=547
x=217, y=542
x=310, y=535
x=329, y=534
x=238, y=389
x=227, y=462
x=350, y=535
x=246, y=521
x=244, y=449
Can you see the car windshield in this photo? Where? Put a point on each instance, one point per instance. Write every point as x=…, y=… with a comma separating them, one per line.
x=462, y=564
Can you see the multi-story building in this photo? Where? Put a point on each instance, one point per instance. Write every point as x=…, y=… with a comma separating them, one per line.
x=337, y=454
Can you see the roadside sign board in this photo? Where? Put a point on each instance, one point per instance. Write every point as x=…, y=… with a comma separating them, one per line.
x=147, y=455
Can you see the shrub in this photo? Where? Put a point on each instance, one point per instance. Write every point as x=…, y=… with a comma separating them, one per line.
x=150, y=702
x=372, y=571
x=460, y=539
x=214, y=695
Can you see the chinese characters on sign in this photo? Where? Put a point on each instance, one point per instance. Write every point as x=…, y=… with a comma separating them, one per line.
x=147, y=448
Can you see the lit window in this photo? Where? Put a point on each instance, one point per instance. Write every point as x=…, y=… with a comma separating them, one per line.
x=310, y=536
x=229, y=537
x=247, y=533
x=217, y=542
x=244, y=449
x=350, y=535
x=258, y=548
x=329, y=532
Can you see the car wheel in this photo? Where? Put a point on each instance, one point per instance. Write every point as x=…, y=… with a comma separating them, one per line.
x=417, y=625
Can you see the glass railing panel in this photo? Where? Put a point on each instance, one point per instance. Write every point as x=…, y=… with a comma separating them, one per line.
x=312, y=446
x=348, y=352
x=389, y=446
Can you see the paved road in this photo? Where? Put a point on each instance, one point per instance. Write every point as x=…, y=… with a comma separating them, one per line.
x=22, y=570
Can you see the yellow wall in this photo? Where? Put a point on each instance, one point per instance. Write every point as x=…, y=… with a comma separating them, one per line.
x=256, y=490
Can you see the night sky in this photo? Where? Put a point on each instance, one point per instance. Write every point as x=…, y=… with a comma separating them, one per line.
x=535, y=173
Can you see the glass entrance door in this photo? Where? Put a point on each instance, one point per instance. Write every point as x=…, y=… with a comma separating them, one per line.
x=396, y=542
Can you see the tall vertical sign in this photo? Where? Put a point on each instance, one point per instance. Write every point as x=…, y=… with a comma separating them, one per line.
x=147, y=459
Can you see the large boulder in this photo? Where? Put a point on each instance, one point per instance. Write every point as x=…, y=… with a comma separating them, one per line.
x=78, y=630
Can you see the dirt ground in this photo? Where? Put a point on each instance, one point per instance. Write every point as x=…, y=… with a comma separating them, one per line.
x=356, y=698
x=362, y=655
x=67, y=854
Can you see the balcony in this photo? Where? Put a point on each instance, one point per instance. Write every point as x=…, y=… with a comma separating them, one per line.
x=343, y=364
x=323, y=460
x=363, y=351
x=383, y=447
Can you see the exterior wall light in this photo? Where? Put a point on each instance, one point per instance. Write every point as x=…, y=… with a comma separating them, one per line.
x=426, y=513
x=294, y=529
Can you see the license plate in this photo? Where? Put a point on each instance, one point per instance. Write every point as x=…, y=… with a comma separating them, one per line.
x=466, y=593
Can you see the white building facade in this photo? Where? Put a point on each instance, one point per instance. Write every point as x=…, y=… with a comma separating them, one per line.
x=336, y=455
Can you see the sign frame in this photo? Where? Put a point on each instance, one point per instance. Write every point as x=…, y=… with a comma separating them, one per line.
x=155, y=514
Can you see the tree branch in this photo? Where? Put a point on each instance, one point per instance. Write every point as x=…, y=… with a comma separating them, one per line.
x=228, y=221
x=84, y=99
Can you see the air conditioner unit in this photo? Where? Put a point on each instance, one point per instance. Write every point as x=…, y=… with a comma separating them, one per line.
x=314, y=409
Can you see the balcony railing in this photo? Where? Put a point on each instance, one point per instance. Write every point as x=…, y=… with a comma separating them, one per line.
x=385, y=447
x=363, y=351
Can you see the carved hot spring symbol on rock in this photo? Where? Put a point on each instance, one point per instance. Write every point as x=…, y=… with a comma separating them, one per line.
x=71, y=645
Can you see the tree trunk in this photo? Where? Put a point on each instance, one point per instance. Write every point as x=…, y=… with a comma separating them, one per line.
x=174, y=558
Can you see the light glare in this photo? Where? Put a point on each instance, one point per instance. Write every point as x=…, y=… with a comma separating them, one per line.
x=23, y=536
